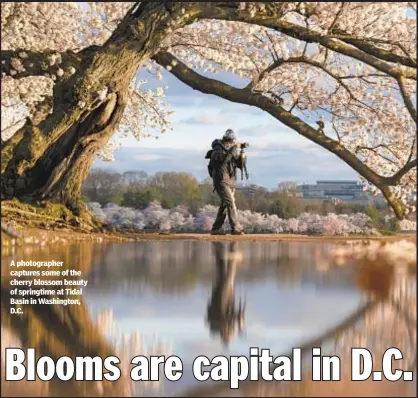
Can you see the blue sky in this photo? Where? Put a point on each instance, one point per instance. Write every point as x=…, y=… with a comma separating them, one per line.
x=276, y=152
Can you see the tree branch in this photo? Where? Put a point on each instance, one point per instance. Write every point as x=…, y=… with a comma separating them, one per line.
x=377, y=52
x=333, y=333
x=337, y=15
x=407, y=100
x=23, y=63
x=246, y=96
x=376, y=59
x=316, y=64
x=275, y=64
x=396, y=178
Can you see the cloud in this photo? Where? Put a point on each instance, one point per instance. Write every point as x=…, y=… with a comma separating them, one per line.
x=153, y=160
x=277, y=153
x=207, y=118
x=257, y=130
x=148, y=157
x=240, y=109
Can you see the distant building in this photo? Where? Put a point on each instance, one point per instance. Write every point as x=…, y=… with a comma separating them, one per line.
x=340, y=190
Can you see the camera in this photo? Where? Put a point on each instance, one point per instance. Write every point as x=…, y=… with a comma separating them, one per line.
x=243, y=145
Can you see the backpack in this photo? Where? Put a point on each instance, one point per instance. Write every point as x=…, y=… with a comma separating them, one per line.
x=209, y=156
x=218, y=161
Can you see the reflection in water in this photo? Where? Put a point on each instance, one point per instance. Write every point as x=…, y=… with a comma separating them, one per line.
x=222, y=315
x=55, y=330
x=386, y=318
x=147, y=291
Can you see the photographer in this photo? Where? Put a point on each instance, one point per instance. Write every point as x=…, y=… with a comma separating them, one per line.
x=225, y=158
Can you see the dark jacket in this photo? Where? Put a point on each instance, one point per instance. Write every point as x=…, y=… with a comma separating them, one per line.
x=223, y=163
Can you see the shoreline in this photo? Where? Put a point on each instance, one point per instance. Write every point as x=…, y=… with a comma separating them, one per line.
x=33, y=235
x=24, y=223
x=259, y=237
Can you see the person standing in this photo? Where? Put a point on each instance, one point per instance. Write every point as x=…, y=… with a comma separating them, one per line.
x=225, y=158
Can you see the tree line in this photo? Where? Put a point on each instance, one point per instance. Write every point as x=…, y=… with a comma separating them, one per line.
x=137, y=189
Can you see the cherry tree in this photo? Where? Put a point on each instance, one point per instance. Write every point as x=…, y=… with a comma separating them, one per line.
x=342, y=76
x=205, y=218
x=407, y=225
x=86, y=80
x=155, y=217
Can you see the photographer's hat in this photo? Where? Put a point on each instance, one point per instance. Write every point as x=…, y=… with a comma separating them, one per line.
x=229, y=135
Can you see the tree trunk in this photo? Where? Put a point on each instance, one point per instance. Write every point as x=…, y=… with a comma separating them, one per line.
x=55, y=330
x=51, y=160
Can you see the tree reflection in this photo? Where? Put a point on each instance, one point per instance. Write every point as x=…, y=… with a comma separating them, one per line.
x=223, y=316
x=174, y=267
x=386, y=318
x=56, y=330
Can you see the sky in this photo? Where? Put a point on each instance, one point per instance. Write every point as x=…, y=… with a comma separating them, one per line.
x=277, y=153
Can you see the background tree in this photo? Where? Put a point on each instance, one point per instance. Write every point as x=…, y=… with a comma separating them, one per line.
x=139, y=198
x=287, y=203
x=176, y=188
x=103, y=186
x=137, y=189
x=207, y=194
x=342, y=76
x=135, y=177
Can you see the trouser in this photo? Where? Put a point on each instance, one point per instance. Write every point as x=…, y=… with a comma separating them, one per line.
x=227, y=207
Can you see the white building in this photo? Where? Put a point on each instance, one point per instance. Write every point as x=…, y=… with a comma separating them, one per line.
x=347, y=191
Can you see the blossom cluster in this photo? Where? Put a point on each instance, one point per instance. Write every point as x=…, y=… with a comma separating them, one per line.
x=408, y=225
x=395, y=253
x=71, y=26
x=178, y=219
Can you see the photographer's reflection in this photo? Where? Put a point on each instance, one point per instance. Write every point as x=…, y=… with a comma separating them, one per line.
x=223, y=316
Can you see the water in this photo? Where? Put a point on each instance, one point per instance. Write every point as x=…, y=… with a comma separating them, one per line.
x=192, y=298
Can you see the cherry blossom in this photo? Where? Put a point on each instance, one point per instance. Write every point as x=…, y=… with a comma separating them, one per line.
x=155, y=217
x=71, y=26
x=346, y=72
x=367, y=109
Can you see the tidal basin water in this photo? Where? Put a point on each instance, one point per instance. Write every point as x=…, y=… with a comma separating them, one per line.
x=191, y=298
